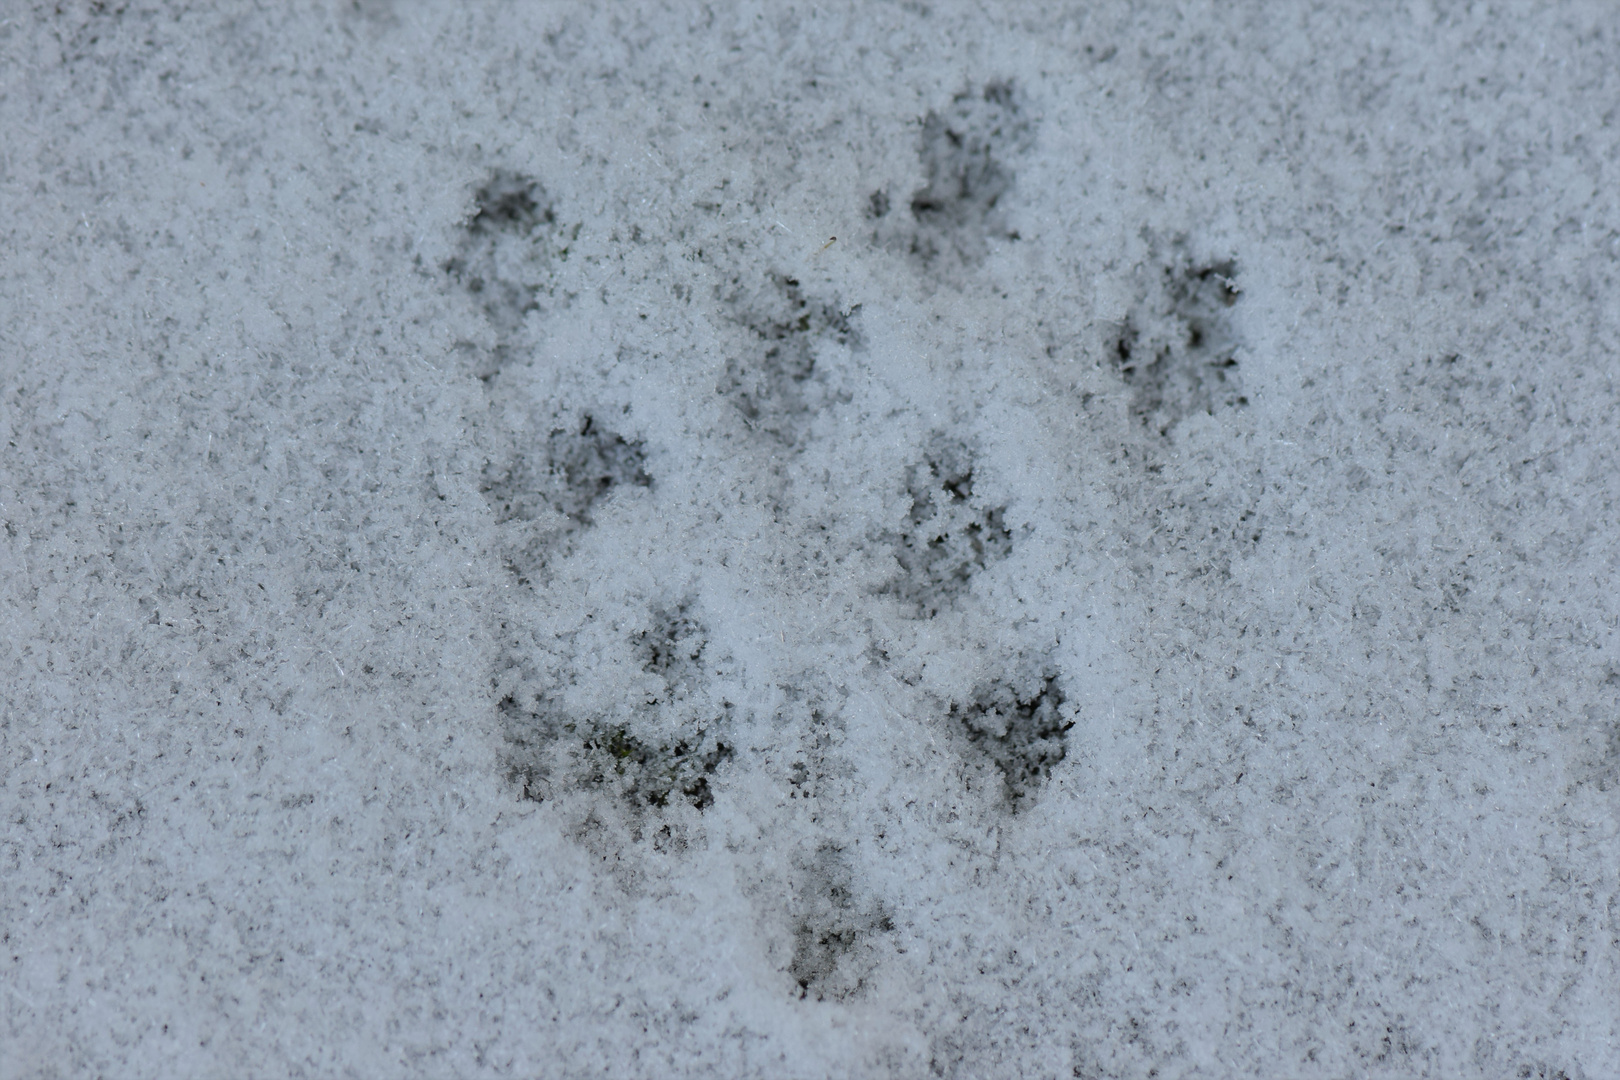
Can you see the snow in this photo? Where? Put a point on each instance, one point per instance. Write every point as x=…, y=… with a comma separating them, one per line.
x=894, y=540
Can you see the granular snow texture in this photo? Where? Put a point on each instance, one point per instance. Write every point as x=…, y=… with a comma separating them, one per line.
x=917, y=540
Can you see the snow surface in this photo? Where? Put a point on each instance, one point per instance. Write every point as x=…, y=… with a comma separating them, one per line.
x=492, y=587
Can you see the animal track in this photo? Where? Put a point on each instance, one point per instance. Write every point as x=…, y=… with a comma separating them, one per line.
x=832, y=932
x=650, y=773
x=548, y=747
x=948, y=537
x=778, y=388
x=672, y=647
x=577, y=467
x=1020, y=730
x=1176, y=348
x=507, y=257
x=965, y=152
